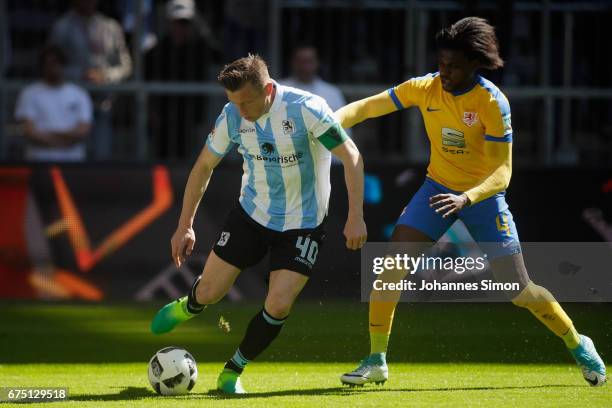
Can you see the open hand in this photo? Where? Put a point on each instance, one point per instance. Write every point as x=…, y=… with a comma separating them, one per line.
x=182, y=243
x=448, y=204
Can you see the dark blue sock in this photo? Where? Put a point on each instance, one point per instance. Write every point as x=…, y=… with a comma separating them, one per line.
x=193, y=306
x=260, y=333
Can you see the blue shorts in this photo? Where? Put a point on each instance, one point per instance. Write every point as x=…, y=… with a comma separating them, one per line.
x=488, y=221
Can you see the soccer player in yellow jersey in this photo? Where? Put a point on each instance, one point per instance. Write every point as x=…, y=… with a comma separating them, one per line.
x=467, y=119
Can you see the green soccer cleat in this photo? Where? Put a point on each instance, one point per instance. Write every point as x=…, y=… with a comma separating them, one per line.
x=171, y=315
x=592, y=366
x=229, y=382
x=372, y=369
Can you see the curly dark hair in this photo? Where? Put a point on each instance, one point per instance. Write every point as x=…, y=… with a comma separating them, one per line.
x=476, y=38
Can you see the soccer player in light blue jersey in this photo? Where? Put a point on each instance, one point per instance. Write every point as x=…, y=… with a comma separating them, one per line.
x=285, y=137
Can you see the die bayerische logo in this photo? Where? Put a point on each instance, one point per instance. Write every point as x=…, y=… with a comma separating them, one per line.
x=271, y=156
x=267, y=148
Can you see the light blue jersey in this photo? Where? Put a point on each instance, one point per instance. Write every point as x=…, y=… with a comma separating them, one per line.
x=285, y=184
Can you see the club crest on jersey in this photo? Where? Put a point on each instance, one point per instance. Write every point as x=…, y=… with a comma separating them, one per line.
x=470, y=118
x=288, y=126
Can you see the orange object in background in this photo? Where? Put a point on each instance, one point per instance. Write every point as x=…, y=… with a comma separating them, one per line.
x=77, y=287
x=86, y=257
x=15, y=266
x=27, y=275
x=19, y=277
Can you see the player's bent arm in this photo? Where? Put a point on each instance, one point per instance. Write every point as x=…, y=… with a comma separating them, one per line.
x=183, y=239
x=371, y=107
x=355, y=230
x=499, y=179
x=352, y=161
x=196, y=185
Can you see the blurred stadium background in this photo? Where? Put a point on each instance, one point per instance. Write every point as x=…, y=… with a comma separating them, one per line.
x=89, y=233
x=99, y=228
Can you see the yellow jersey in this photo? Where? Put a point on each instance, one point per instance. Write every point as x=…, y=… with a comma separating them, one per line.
x=458, y=125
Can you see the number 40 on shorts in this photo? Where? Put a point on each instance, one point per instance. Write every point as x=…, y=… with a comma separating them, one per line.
x=309, y=248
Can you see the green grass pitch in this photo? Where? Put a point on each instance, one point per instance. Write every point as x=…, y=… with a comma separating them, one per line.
x=441, y=355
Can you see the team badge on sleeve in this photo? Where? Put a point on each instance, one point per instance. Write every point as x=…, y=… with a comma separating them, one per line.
x=470, y=118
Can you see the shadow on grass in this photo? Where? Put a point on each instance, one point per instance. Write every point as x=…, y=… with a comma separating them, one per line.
x=130, y=393
x=346, y=391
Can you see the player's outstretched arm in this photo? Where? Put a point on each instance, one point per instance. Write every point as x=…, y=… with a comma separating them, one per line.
x=183, y=240
x=371, y=107
x=355, y=230
x=500, y=155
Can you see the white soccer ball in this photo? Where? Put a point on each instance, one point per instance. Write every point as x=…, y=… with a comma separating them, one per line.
x=172, y=371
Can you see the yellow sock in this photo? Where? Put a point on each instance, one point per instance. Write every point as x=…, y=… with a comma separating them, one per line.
x=571, y=338
x=379, y=342
x=381, y=320
x=542, y=304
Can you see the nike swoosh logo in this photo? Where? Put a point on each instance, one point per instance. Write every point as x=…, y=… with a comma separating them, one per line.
x=592, y=382
x=432, y=109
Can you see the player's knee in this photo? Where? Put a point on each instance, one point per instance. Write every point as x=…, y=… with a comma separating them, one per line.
x=278, y=306
x=207, y=294
x=531, y=294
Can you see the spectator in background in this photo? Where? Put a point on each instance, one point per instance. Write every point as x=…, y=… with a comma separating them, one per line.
x=185, y=53
x=97, y=53
x=55, y=115
x=127, y=11
x=304, y=75
x=245, y=29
